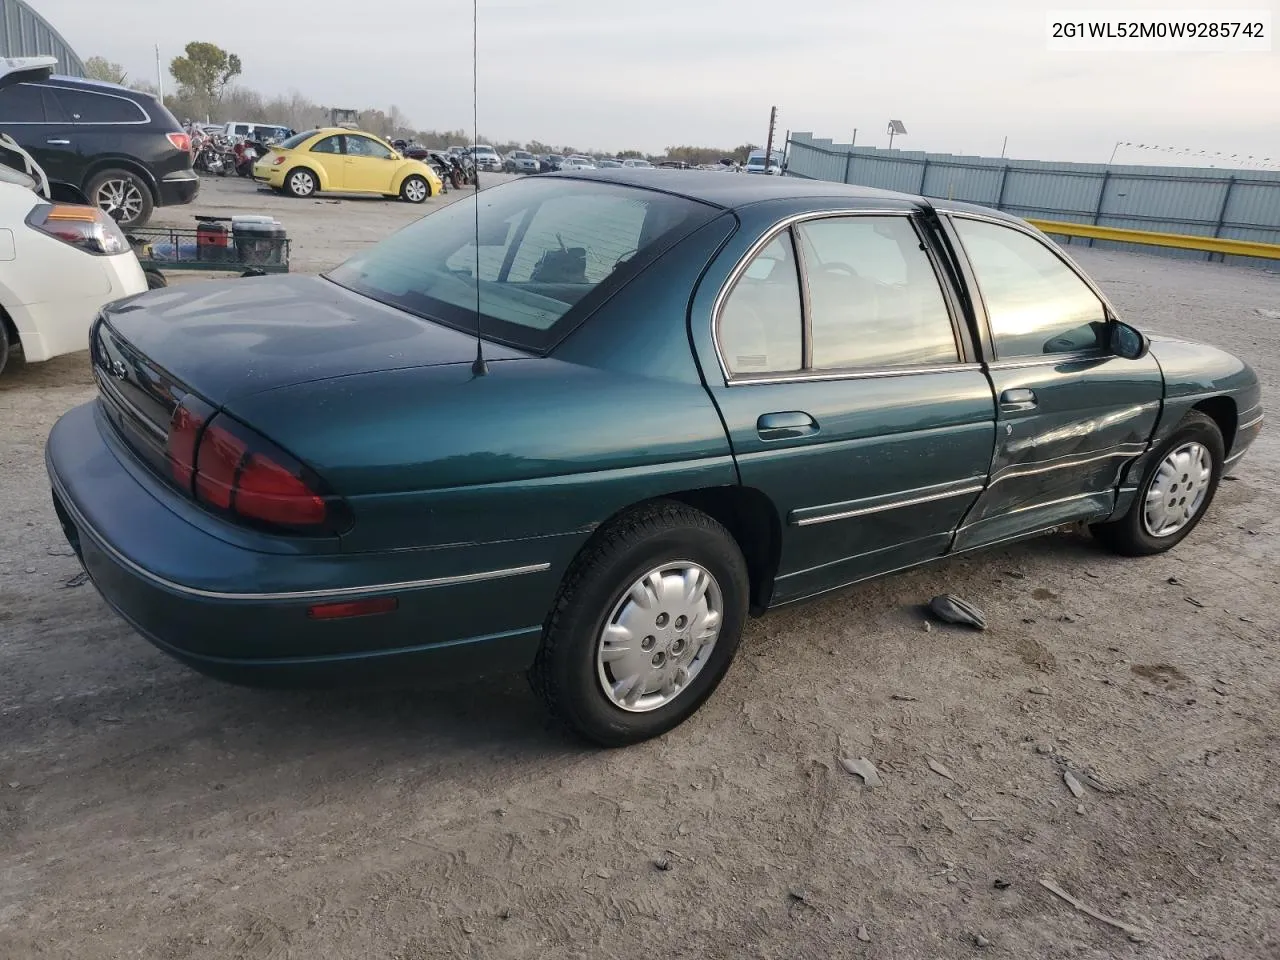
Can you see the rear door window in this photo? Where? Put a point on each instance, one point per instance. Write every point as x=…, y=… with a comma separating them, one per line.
x=874, y=298
x=85, y=107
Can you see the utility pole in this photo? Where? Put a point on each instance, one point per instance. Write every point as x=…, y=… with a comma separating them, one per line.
x=159, y=75
x=1004, y=146
x=768, y=149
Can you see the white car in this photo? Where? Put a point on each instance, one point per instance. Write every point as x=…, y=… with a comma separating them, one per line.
x=59, y=262
x=638, y=164
x=756, y=163
x=577, y=163
x=486, y=158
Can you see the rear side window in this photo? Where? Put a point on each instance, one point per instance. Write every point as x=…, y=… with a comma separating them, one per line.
x=761, y=321
x=1036, y=304
x=327, y=145
x=21, y=103
x=85, y=107
x=874, y=299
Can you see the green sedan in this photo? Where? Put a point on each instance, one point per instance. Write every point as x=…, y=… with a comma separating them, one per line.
x=588, y=428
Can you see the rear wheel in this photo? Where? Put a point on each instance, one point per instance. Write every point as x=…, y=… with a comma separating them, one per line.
x=4, y=344
x=645, y=625
x=123, y=195
x=1176, y=490
x=415, y=189
x=301, y=183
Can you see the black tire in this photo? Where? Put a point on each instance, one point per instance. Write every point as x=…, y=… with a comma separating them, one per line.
x=4, y=344
x=124, y=195
x=155, y=279
x=407, y=188
x=297, y=189
x=566, y=674
x=1131, y=536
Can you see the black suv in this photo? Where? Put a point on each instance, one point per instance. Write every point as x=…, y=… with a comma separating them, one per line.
x=120, y=148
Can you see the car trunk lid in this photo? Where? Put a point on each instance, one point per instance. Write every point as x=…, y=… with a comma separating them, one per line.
x=226, y=339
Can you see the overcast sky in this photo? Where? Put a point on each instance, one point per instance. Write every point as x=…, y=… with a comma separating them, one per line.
x=653, y=73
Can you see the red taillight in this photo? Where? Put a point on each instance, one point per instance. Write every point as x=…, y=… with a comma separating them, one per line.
x=240, y=473
x=267, y=491
x=220, y=458
x=279, y=160
x=180, y=447
x=88, y=228
x=180, y=140
x=352, y=608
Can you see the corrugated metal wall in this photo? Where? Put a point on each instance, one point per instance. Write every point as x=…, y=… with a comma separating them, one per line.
x=1240, y=204
x=24, y=33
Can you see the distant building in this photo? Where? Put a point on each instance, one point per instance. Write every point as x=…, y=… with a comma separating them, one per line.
x=24, y=33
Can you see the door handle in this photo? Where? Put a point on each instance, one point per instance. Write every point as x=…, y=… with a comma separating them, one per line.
x=785, y=425
x=60, y=143
x=1018, y=399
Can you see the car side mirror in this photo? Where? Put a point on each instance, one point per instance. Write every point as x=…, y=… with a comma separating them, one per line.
x=1127, y=342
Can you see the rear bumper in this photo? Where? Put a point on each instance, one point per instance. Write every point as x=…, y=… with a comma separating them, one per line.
x=178, y=188
x=241, y=614
x=55, y=327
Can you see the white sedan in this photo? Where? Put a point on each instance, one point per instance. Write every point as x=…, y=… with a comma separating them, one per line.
x=59, y=262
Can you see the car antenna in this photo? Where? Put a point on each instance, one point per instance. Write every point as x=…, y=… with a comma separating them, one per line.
x=478, y=368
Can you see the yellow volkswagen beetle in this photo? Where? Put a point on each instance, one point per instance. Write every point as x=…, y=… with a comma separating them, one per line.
x=344, y=161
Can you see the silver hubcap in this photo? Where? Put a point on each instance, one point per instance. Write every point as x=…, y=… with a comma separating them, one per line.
x=416, y=190
x=301, y=183
x=1177, y=489
x=659, y=636
x=121, y=199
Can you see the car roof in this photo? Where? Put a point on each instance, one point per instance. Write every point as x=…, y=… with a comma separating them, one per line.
x=736, y=191
x=79, y=83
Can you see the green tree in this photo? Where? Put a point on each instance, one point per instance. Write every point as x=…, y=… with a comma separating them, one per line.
x=205, y=71
x=100, y=68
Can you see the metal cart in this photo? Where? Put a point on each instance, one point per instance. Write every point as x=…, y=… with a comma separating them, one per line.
x=248, y=246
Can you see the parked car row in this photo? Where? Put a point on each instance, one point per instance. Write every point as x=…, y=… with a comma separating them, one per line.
x=119, y=148
x=63, y=260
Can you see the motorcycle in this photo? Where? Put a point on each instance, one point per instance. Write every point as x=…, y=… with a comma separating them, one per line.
x=213, y=157
x=246, y=154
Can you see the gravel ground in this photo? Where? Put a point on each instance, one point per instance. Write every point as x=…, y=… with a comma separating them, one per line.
x=148, y=812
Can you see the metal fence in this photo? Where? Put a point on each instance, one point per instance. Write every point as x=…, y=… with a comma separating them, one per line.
x=1201, y=201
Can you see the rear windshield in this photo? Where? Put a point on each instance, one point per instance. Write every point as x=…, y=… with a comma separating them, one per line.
x=298, y=139
x=550, y=252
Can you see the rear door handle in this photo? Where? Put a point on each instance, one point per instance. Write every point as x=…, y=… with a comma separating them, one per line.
x=60, y=143
x=1018, y=399
x=785, y=425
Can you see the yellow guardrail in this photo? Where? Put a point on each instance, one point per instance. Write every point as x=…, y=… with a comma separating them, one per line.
x=1235, y=248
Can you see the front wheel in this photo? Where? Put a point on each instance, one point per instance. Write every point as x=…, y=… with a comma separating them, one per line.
x=4, y=344
x=301, y=183
x=415, y=189
x=645, y=625
x=1176, y=490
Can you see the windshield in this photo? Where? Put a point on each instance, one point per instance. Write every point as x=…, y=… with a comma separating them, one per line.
x=550, y=252
x=298, y=139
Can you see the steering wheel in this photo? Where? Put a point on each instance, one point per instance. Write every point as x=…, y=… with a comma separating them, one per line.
x=840, y=268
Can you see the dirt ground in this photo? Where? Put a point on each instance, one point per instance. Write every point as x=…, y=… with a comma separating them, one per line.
x=148, y=812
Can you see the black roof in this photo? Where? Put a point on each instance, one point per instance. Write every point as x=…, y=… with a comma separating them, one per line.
x=729, y=190
x=99, y=86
